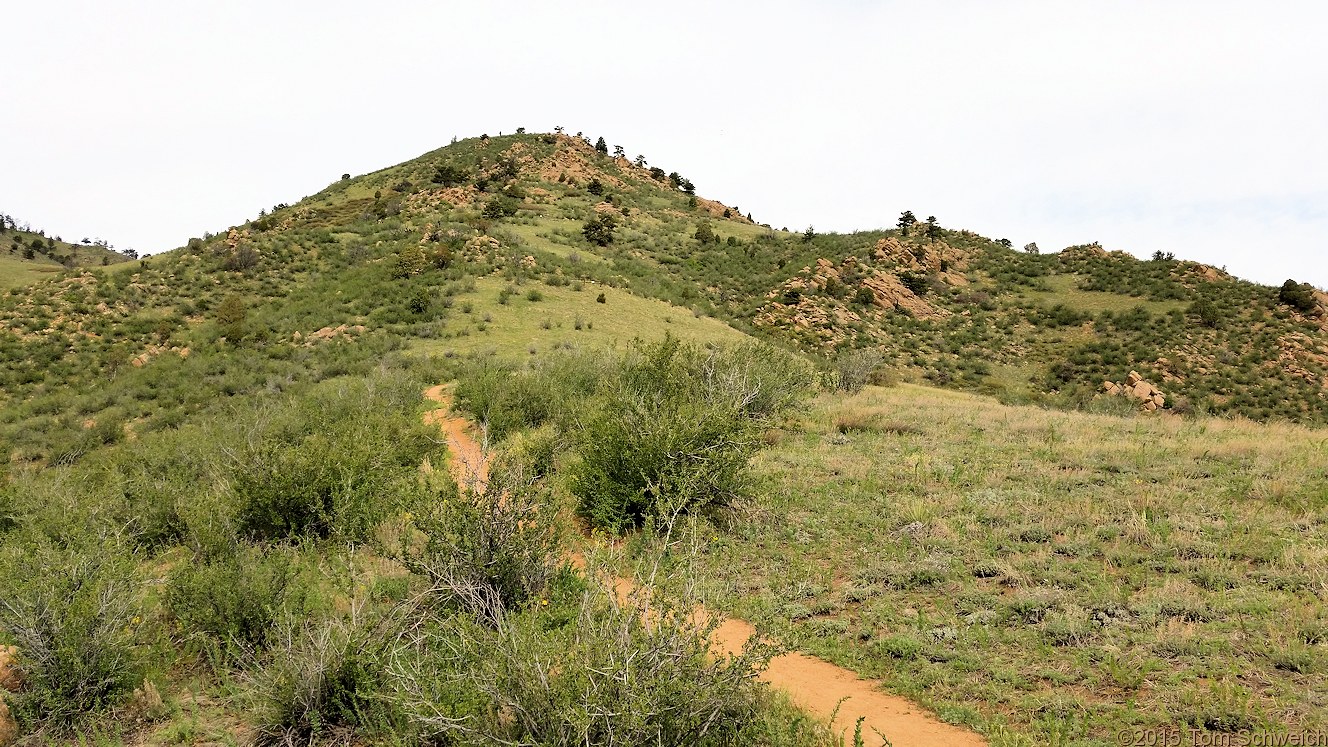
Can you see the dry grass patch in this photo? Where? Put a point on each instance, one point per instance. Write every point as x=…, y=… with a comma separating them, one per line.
x=1046, y=575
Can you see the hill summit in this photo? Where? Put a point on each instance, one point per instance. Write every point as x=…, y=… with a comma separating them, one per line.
x=393, y=251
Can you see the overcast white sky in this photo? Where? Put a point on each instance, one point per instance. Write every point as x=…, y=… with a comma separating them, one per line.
x=1191, y=127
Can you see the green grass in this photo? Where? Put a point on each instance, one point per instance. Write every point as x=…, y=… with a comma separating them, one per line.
x=540, y=236
x=1062, y=575
x=16, y=272
x=519, y=325
x=1065, y=290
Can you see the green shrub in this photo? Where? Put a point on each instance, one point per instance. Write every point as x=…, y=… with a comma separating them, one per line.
x=499, y=397
x=233, y=600
x=490, y=554
x=534, y=449
x=1299, y=296
x=500, y=207
x=75, y=615
x=1206, y=311
x=674, y=431
x=334, y=463
x=320, y=679
x=504, y=397
x=853, y=369
x=623, y=676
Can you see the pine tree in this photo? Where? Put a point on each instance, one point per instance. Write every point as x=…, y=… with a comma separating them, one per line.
x=705, y=234
x=602, y=146
x=906, y=221
x=599, y=230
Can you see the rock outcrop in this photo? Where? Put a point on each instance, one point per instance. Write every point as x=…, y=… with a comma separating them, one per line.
x=329, y=333
x=826, y=300
x=935, y=258
x=1150, y=398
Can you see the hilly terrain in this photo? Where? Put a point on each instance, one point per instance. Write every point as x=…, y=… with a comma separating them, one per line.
x=28, y=255
x=1046, y=496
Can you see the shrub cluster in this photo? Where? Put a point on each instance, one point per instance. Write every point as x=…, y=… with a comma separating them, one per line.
x=76, y=616
x=674, y=429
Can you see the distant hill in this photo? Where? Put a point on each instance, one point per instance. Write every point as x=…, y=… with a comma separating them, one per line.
x=30, y=255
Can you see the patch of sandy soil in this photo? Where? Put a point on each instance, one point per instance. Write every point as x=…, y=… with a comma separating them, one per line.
x=815, y=685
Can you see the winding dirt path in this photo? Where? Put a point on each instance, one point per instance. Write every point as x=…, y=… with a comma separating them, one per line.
x=813, y=684
x=469, y=464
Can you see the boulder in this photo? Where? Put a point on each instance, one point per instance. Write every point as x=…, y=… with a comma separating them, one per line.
x=1142, y=390
x=1150, y=398
x=11, y=677
x=8, y=729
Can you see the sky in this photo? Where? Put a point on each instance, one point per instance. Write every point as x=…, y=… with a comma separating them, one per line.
x=1196, y=128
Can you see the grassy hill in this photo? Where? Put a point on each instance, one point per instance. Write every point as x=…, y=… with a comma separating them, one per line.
x=213, y=467
x=944, y=306
x=29, y=256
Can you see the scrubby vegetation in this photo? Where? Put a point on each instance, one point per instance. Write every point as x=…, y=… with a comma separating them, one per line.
x=290, y=552
x=220, y=517
x=659, y=431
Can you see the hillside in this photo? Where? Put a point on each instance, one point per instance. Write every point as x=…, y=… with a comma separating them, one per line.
x=27, y=256
x=1078, y=574
x=944, y=306
x=221, y=469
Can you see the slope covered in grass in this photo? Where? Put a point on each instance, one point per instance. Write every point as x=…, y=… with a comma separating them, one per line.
x=508, y=319
x=29, y=256
x=1064, y=574
x=949, y=307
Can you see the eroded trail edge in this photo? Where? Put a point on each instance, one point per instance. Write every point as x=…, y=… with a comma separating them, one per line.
x=815, y=685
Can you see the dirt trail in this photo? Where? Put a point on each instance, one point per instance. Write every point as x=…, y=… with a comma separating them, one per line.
x=469, y=465
x=814, y=684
